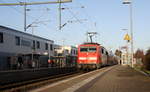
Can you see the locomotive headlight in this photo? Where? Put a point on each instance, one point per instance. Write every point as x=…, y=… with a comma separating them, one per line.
x=82, y=58
x=92, y=58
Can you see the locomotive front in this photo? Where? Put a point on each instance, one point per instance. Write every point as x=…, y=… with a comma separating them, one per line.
x=88, y=56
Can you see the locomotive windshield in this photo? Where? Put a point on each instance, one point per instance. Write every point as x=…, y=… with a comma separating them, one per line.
x=83, y=49
x=92, y=49
x=88, y=49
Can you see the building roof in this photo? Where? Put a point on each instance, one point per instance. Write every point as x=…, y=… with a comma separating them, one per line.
x=14, y=30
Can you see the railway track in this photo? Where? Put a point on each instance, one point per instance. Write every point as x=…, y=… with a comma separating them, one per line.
x=32, y=84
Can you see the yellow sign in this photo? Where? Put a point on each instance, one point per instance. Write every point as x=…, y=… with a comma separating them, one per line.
x=127, y=37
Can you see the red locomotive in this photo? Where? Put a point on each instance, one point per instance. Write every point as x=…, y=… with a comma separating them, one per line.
x=91, y=56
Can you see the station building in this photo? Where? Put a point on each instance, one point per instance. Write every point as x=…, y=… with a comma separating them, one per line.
x=126, y=58
x=14, y=43
x=65, y=50
x=65, y=55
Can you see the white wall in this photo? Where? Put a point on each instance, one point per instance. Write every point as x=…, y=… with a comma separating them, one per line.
x=9, y=43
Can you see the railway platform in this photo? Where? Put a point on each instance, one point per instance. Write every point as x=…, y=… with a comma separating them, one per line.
x=14, y=78
x=109, y=79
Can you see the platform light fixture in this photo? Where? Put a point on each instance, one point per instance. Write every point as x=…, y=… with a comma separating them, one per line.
x=129, y=2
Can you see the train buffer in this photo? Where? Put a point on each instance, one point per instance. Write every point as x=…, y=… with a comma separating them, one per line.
x=109, y=79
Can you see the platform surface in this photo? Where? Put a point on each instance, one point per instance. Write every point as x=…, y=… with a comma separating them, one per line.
x=110, y=79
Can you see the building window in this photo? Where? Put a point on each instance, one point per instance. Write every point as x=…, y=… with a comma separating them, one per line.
x=38, y=44
x=26, y=43
x=1, y=38
x=51, y=47
x=33, y=44
x=46, y=46
x=17, y=40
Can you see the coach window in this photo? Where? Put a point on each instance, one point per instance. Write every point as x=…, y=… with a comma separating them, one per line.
x=38, y=44
x=74, y=52
x=1, y=38
x=71, y=51
x=17, y=40
x=102, y=51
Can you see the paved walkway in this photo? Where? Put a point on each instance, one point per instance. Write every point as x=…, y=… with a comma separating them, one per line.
x=119, y=79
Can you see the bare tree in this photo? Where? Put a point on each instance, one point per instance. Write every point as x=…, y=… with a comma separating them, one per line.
x=147, y=60
x=139, y=56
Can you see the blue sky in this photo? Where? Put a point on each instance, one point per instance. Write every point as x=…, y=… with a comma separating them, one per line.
x=110, y=16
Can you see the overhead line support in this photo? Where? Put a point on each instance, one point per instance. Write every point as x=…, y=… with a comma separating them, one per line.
x=34, y=3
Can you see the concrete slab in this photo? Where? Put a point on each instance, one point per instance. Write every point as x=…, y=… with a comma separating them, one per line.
x=72, y=84
x=119, y=79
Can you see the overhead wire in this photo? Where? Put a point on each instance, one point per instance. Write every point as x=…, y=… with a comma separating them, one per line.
x=89, y=17
x=93, y=23
x=69, y=20
x=12, y=7
x=36, y=19
x=85, y=12
x=74, y=16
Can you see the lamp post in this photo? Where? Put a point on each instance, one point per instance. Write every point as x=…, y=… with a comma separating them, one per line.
x=25, y=17
x=129, y=2
x=33, y=48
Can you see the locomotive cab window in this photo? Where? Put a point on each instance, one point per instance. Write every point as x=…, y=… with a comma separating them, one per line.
x=92, y=49
x=83, y=49
x=88, y=49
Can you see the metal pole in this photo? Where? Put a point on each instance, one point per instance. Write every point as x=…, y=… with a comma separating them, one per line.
x=25, y=16
x=131, y=30
x=34, y=3
x=59, y=14
x=127, y=51
x=86, y=36
x=32, y=46
x=127, y=54
x=49, y=59
x=49, y=50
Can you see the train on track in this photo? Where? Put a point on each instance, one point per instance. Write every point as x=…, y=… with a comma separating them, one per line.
x=93, y=56
x=89, y=56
